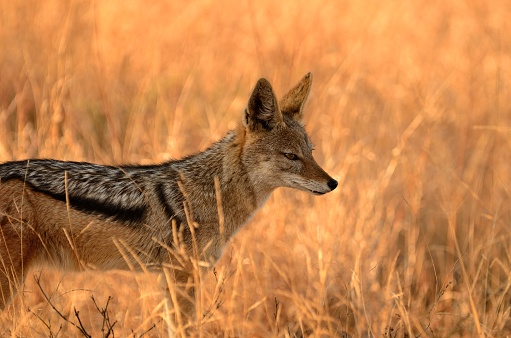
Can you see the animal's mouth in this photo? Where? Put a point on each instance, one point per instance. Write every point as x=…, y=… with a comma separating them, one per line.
x=315, y=192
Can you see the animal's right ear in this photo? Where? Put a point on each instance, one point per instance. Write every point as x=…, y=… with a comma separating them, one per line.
x=292, y=103
x=262, y=112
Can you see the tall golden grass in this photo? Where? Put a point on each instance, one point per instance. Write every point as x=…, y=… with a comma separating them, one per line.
x=410, y=110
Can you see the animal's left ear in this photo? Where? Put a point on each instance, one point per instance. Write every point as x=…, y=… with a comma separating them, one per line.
x=262, y=112
x=292, y=103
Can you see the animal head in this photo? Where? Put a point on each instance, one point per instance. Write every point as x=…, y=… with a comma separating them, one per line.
x=277, y=151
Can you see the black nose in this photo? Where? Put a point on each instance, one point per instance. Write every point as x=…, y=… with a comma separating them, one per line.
x=332, y=184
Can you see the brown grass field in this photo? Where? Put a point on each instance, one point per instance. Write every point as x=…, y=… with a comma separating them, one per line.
x=410, y=110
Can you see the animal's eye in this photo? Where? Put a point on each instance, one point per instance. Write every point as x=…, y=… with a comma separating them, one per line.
x=291, y=156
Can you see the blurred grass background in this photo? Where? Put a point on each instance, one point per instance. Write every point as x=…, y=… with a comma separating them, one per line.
x=410, y=110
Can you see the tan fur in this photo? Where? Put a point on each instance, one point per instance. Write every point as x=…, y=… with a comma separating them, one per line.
x=269, y=149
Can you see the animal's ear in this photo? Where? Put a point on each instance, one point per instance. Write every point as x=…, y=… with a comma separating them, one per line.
x=262, y=112
x=292, y=103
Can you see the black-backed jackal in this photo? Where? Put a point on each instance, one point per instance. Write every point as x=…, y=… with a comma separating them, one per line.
x=169, y=216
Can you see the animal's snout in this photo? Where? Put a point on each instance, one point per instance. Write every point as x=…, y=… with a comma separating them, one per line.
x=332, y=184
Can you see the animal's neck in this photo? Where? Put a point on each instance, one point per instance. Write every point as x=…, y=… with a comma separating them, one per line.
x=239, y=198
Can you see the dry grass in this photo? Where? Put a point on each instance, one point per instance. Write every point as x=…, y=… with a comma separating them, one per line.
x=410, y=110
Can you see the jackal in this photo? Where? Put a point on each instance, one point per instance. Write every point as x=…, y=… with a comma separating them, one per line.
x=76, y=215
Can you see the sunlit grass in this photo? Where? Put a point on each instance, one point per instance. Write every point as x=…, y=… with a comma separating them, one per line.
x=410, y=109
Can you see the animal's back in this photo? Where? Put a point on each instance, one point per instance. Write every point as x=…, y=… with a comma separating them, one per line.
x=72, y=216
